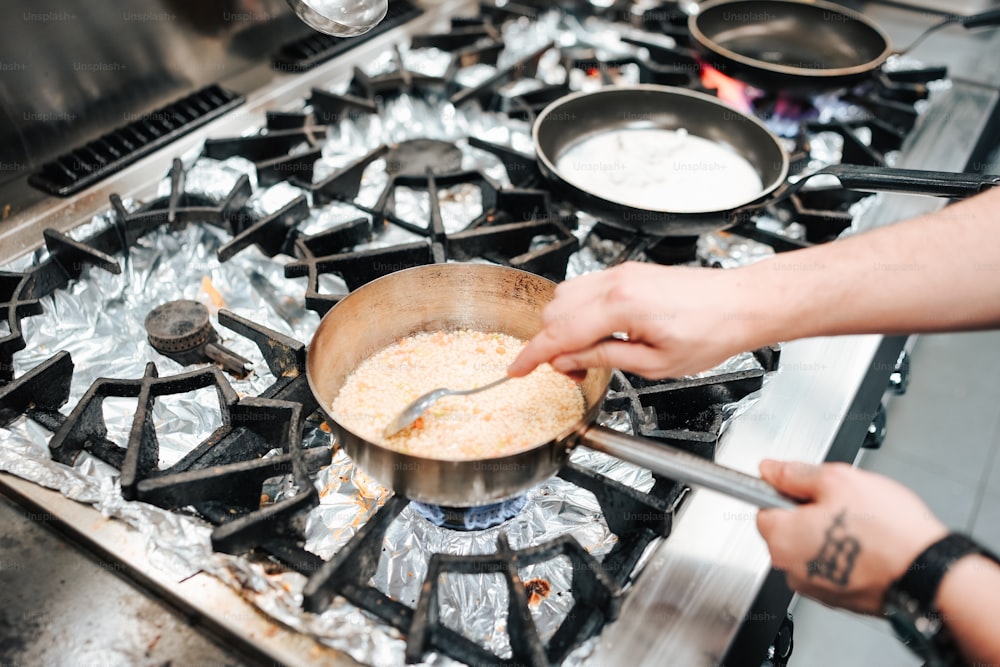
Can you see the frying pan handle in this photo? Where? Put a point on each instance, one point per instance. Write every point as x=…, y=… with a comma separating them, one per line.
x=683, y=467
x=885, y=179
x=981, y=20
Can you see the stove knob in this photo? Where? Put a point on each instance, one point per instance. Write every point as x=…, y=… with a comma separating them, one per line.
x=779, y=653
x=876, y=430
x=899, y=380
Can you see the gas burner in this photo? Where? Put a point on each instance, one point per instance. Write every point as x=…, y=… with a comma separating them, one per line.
x=21, y=293
x=667, y=66
x=222, y=477
x=659, y=249
x=506, y=231
x=885, y=104
x=181, y=330
x=471, y=518
x=398, y=82
x=417, y=157
x=674, y=250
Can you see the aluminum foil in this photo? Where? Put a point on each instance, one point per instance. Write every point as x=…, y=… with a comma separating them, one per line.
x=99, y=320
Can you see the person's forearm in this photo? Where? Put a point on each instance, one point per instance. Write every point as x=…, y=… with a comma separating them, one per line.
x=940, y=272
x=969, y=601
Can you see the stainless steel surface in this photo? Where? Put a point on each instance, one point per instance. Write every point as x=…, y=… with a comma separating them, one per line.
x=58, y=602
x=341, y=18
x=940, y=7
x=988, y=18
x=698, y=589
x=216, y=608
x=71, y=72
x=687, y=468
x=420, y=405
x=963, y=51
x=433, y=298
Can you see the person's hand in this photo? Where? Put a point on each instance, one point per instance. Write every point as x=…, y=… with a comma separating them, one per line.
x=679, y=321
x=857, y=533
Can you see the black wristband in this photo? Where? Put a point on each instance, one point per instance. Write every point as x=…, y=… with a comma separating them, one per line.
x=922, y=579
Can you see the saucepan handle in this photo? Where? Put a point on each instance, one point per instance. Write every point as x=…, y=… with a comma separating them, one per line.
x=914, y=181
x=683, y=467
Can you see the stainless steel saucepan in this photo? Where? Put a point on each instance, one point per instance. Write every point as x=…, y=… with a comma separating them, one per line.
x=493, y=299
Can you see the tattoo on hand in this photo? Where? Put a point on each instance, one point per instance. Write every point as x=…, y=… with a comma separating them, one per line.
x=836, y=557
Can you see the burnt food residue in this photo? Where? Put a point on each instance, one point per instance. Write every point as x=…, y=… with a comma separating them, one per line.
x=537, y=589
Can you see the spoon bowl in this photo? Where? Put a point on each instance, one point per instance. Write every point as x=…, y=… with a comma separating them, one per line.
x=413, y=411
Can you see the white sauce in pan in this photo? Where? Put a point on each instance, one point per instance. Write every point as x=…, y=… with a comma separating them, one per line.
x=658, y=169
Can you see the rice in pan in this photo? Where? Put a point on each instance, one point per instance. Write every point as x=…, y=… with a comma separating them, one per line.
x=517, y=415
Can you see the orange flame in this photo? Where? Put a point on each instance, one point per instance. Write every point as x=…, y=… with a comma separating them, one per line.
x=731, y=91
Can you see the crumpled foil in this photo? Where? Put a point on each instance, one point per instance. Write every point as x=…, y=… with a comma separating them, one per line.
x=99, y=320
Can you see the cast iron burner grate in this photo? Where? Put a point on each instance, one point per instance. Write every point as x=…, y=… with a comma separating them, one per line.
x=416, y=157
x=597, y=586
x=471, y=518
x=222, y=477
x=506, y=232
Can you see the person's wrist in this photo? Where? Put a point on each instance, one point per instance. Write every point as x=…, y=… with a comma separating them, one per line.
x=932, y=595
x=970, y=566
x=922, y=581
x=771, y=307
x=906, y=550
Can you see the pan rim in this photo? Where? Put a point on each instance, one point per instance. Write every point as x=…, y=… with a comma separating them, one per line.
x=804, y=72
x=565, y=436
x=766, y=189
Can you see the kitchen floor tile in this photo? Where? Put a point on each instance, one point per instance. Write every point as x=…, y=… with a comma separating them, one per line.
x=952, y=500
x=825, y=636
x=992, y=484
x=948, y=417
x=986, y=523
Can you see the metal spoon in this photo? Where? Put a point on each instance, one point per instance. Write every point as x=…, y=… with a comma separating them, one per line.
x=413, y=411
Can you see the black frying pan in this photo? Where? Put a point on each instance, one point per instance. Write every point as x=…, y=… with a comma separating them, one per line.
x=796, y=46
x=580, y=117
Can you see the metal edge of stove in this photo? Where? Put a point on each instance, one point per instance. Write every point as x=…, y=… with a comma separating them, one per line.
x=205, y=602
x=698, y=590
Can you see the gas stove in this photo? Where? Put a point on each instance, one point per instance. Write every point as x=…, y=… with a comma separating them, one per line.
x=409, y=149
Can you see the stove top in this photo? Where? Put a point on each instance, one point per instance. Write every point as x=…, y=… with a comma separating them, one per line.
x=419, y=154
